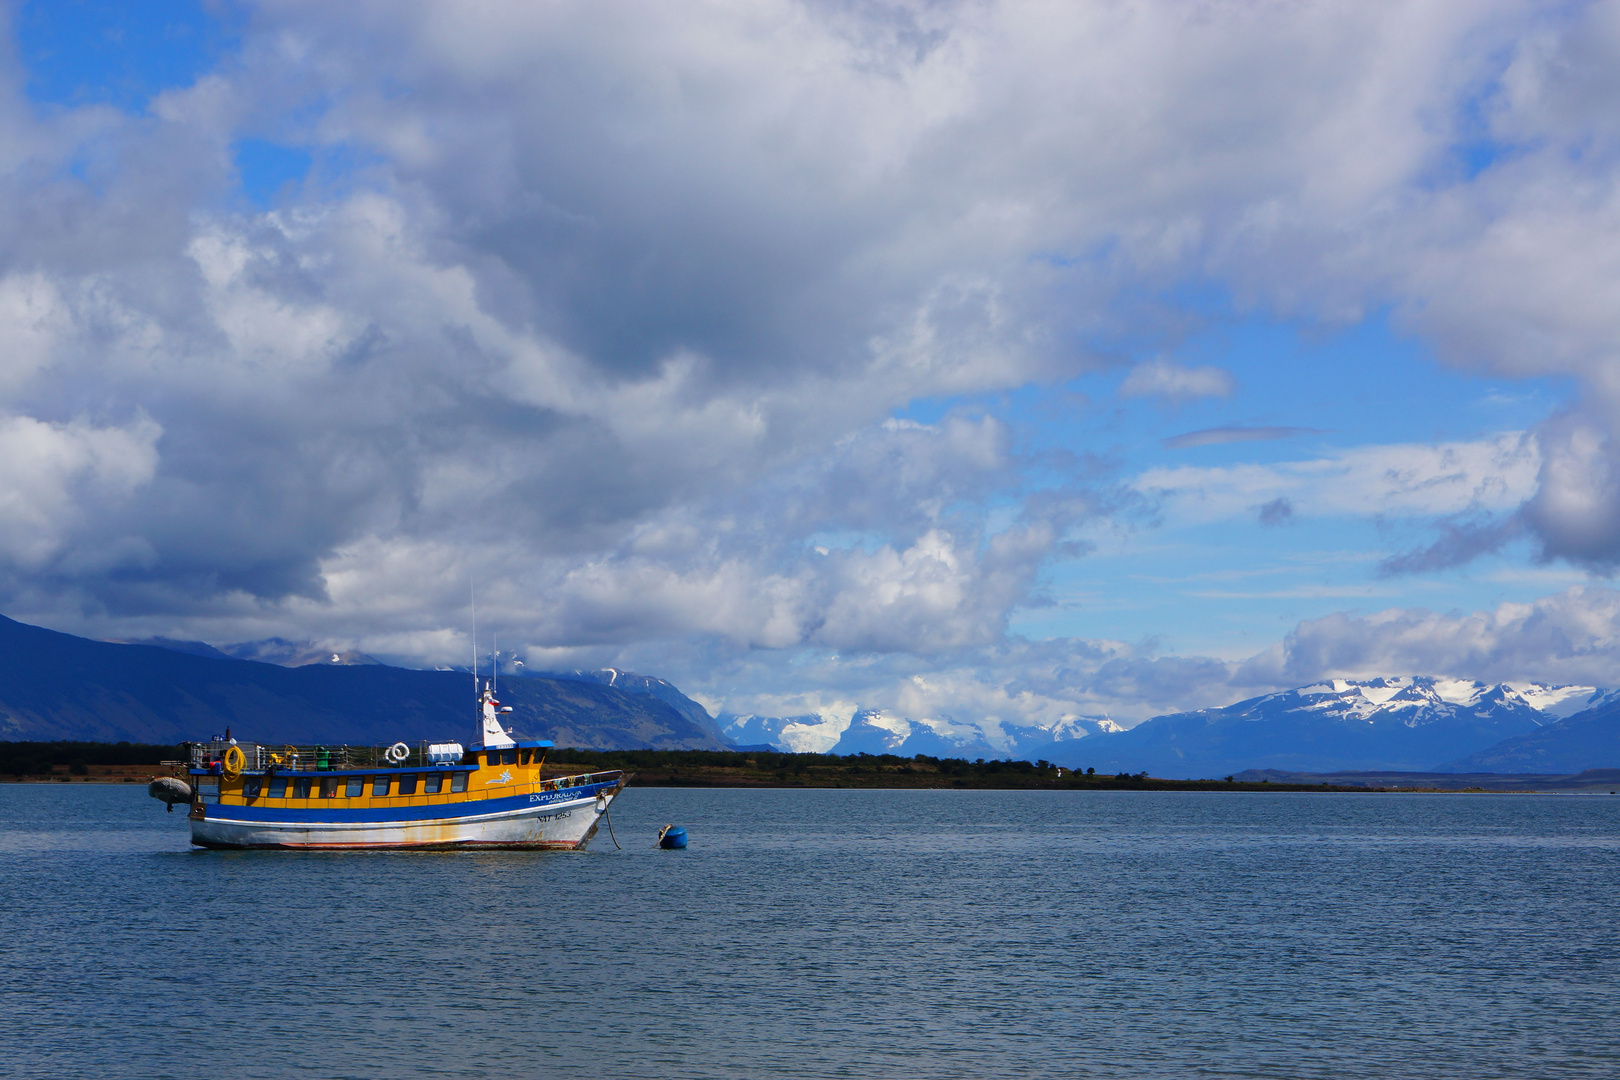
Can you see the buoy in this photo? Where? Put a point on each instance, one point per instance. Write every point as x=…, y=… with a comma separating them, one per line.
x=170, y=790
x=671, y=837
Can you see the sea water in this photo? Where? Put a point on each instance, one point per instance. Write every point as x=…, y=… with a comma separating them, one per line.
x=832, y=933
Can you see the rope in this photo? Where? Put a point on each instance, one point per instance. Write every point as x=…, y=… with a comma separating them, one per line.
x=609, y=821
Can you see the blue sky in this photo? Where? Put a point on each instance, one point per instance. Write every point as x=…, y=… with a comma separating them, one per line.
x=1021, y=364
x=1229, y=587
x=80, y=52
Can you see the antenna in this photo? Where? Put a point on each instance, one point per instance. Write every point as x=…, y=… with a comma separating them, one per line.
x=495, y=643
x=472, y=595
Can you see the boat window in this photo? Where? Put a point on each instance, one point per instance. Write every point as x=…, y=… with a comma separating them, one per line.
x=278, y=787
x=407, y=783
x=508, y=757
x=494, y=757
x=356, y=787
x=432, y=782
x=301, y=788
x=250, y=787
x=329, y=786
x=458, y=782
x=379, y=785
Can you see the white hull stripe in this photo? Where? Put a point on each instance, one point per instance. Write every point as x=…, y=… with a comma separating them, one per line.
x=470, y=810
x=566, y=826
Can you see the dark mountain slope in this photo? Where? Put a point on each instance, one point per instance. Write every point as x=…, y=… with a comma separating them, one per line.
x=57, y=686
x=1587, y=740
x=649, y=686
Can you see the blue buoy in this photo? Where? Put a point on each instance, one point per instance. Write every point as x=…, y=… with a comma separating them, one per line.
x=672, y=837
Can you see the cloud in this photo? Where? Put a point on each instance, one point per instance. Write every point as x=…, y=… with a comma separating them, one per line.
x=612, y=306
x=1275, y=512
x=1409, y=479
x=1221, y=435
x=1569, y=638
x=1575, y=510
x=1015, y=682
x=1176, y=384
x=1461, y=541
x=57, y=483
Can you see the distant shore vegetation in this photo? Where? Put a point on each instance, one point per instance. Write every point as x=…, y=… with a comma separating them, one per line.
x=124, y=761
x=66, y=760
x=745, y=768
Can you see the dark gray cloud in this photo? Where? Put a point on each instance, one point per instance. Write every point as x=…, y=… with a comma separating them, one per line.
x=1461, y=541
x=1275, y=512
x=1575, y=512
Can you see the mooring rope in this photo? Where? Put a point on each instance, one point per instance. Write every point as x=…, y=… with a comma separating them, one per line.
x=609, y=821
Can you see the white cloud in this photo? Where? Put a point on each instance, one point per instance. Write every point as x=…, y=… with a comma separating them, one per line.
x=32, y=312
x=57, y=479
x=1570, y=637
x=1409, y=479
x=1175, y=383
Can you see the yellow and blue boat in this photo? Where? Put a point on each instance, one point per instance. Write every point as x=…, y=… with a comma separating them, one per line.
x=443, y=795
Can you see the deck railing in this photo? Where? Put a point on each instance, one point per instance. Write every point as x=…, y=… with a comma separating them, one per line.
x=319, y=758
x=309, y=757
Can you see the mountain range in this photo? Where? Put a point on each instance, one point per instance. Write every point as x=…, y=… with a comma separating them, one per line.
x=1397, y=723
x=1410, y=723
x=57, y=686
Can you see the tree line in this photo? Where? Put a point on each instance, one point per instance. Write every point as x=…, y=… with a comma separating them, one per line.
x=38, y=758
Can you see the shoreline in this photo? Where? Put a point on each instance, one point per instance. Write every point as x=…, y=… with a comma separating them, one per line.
x=1151, y=784
x=718, y=778
x=777, y=770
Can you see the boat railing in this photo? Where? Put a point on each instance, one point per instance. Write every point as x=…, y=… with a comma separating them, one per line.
x=311, y=757
x=580, y=779
x=338, y=757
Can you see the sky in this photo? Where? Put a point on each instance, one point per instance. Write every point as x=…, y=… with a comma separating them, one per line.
x=964, y=360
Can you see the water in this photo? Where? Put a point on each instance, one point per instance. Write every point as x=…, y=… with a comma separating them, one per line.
x=832, y=933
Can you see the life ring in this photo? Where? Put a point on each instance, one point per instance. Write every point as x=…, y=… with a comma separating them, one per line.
x=397, y=753
x=235, y=762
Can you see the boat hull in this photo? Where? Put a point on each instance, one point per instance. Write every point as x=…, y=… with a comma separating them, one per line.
x=554, y=821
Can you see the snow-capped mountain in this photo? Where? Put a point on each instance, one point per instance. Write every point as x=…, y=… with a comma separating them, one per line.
x=1406, y=723
x=852, y=730
x=1410, y=723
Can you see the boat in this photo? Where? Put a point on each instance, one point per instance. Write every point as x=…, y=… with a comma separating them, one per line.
x=492, y=794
